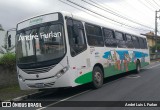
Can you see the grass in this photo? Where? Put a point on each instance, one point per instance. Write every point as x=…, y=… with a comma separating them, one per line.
x=11, y=92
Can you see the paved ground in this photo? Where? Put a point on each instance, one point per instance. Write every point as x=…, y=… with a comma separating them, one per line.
x=127, y=87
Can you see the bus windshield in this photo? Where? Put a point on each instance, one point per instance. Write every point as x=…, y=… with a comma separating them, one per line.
x=39, y=44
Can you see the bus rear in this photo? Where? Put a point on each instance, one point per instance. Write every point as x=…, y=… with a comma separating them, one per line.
x=41, y=53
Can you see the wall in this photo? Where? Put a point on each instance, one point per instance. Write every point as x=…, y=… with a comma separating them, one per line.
x=7, y=77
x=151, y=42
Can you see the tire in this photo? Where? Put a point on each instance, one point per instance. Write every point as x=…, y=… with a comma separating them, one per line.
x=97, y=77
x=138, y=67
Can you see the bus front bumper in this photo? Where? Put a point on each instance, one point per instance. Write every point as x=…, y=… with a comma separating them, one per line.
x=66, y=80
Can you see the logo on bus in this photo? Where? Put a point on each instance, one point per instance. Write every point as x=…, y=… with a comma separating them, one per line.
x=41, y=35
x=37, y=75
x=35, y=21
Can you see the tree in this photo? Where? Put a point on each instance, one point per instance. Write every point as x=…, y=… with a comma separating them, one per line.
x=153, y=48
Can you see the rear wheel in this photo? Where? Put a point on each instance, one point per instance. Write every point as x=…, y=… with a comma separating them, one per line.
x=97, y=77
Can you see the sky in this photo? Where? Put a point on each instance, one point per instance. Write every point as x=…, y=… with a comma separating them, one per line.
x=140, y=11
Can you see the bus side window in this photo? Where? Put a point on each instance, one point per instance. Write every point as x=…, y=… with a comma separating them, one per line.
x=145, y=43
x=120, y=39
x=76, y=36
x=129, y=42
x=94, y=35
x=141, y=42
x=109, y=39
x=135, y=42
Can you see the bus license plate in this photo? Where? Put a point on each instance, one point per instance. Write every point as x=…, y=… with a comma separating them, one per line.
x=39, y=85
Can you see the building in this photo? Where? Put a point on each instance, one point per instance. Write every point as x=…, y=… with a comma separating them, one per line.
x=151, y=39
x=10, y=33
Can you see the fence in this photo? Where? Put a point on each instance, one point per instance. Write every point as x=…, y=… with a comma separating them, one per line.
x=153, y=56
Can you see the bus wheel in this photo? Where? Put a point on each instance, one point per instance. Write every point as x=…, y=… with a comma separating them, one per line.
x=138, y=67
x=97, y=77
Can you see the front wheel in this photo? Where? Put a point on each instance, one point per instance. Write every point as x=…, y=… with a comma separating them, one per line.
x=97, y=77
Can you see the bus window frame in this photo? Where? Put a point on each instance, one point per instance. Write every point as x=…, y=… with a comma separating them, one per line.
x=137, y=40
x=146, y=43
x=129, y=40
x=86, y=23
x=141, y=42
x=120, y=40
x=69, y=18
x=103, y=31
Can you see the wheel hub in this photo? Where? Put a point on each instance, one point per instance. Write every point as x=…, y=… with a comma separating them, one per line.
x=98, y=77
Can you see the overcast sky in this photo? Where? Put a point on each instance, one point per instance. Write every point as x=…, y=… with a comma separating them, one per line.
x=140, y=11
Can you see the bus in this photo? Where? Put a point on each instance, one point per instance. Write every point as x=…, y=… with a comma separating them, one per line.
x=61, y=49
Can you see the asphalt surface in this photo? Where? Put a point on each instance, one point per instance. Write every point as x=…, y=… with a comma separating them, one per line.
x=144, y=86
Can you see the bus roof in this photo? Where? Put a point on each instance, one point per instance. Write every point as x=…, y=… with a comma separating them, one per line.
x=98, y=23
x=77, y=17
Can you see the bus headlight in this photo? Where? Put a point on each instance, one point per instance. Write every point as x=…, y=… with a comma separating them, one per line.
x=21, y=78
x=61, y=72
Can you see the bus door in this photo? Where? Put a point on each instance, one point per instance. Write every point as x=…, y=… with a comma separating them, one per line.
x=78, y=46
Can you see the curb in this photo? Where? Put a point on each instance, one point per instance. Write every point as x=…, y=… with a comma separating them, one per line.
x=24, y=97
x=154, y=62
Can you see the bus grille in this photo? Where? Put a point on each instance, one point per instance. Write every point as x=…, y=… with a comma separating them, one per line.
x=46, y=85
x=38, y=70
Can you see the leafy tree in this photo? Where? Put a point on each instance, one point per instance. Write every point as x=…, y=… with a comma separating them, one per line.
x=154, y=48
x=8, y=60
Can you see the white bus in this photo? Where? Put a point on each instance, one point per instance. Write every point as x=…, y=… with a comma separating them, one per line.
x=63, y=50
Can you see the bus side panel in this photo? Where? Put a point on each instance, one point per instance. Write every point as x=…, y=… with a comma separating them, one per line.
x=123, y=60
x=81, y=65
x=114, y=61
x=145, y=60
